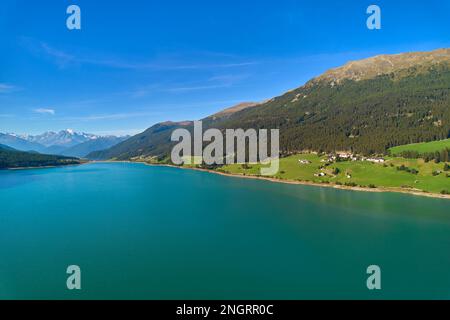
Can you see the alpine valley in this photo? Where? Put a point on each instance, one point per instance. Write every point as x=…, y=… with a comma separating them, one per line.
x=378, y=124
x=338, y=129
x=365, y=106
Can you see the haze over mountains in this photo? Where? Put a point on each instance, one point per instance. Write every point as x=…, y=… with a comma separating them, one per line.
x=364, y=106
x=65, y=142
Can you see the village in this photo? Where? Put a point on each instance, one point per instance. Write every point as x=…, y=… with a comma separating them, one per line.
x=345, y=156
x=340, y=157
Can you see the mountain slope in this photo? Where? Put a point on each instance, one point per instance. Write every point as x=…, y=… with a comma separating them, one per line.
x=366, y=106
x=83, y=149
x=366, y=116
x=19, y=143
x=226, y=113
x=19, y=159
x=56, y=149
x=154, y=141
x=415, y=62
x=3, y=147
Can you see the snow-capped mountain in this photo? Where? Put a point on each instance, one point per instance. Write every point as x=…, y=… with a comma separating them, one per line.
x=65, y=142
x=65, y=138
x=20, y=142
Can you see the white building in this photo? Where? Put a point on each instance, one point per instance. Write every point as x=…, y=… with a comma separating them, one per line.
x=321, y=174
x=376, y=160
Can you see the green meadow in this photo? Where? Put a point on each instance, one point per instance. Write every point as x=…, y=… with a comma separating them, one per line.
x=425, y=147
x=416, y=174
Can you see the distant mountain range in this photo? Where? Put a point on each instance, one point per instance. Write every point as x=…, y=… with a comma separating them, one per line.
x=365, y=106
x=65, y=142
x=100, y=143
x=66, y=138
x=19, y=143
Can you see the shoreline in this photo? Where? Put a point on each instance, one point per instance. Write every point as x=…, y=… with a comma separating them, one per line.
x=305, y=183
x=44, y=167
x=274, y=180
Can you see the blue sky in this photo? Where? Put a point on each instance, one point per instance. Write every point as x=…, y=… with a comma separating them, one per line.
x=135, y=63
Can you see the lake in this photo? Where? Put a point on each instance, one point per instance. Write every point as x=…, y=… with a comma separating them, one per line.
x=141, y=232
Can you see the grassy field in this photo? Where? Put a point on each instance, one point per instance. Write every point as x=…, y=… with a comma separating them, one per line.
x=359, y=173
x=425, y=147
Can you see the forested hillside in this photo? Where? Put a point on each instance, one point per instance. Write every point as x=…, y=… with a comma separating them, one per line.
x=367, y=116
x=10, y=158
x=366, y=107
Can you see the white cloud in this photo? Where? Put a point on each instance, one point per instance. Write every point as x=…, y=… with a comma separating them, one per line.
x=112, y=116
x=64, y=59
x=6, y=88
x=45, y=111
x=196, y=88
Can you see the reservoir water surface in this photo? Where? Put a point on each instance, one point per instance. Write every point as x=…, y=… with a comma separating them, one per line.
x=141, y=232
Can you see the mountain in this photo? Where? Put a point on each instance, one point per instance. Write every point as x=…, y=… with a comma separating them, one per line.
x=153, y=141
x=3, y=147
x=66, y=142
x=365, y=106
x=55, y=150
x=19, y=143
x=83, y=149
x=226, y=113
x=398, y=65
x=66, y=138
x=19, y=159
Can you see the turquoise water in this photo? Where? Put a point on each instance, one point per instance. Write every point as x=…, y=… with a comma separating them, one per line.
x=141, y=232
